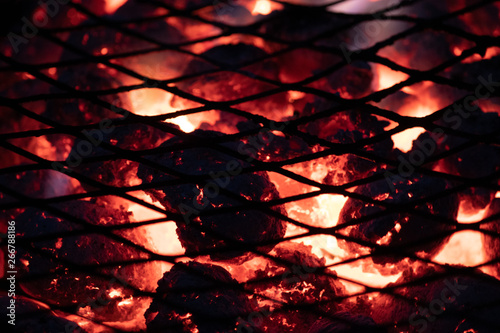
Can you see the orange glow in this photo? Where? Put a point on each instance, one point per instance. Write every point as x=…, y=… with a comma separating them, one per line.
x=153, y=102
x=84, y=323
x=295, y=95
x=359, y=276
x=262, y=7
x=418, y=104
x=419, y=108
x=133, y=310
x=114, y=293
x=422, y=105
x=113, y=5
x=490, y=53
x=464, y=247
x=43, y=148
x=125, y=302
x=386, y=77
x=27, y=76
x=163, y=238
x=464, y=217
x=323, y=211
x=404, y=140
x=320, y=211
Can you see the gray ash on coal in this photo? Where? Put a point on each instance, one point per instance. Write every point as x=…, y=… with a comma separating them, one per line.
x=425, y=50
x=245, y=226
x=300, y=287
x=197, y=296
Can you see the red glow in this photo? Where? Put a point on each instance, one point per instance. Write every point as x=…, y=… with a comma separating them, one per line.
x=319, y=186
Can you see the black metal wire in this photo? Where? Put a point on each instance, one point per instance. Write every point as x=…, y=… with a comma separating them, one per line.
x=292, y=128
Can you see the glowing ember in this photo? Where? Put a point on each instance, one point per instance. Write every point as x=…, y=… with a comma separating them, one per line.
x=113, y=5
x=262, y=7
x=323, y=211
x=153, y=102
x=125, y=302
x=464, y=247
x=163, y=239
x=300, y=241
x=418, y=104
x=115, y=293
x=357, y=277
x=404, y=139
x=386, y=77
x=464, y=217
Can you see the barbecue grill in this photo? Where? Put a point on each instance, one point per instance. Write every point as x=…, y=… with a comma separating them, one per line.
x=250, y=166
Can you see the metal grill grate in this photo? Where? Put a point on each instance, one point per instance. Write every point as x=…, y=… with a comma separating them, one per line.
x=50, y=87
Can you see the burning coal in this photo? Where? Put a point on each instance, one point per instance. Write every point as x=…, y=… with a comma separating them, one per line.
x=230, y=188
x=251, y=166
